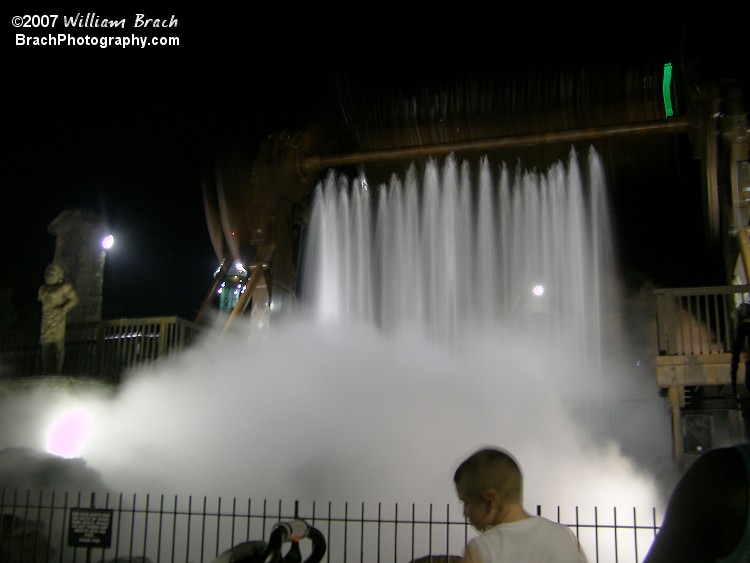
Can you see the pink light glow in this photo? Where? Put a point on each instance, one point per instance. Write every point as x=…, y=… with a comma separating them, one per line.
x=69, y=433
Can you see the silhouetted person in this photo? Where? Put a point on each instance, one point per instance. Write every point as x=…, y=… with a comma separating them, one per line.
x=708, y=515
x=739, y=344
x=57, y=297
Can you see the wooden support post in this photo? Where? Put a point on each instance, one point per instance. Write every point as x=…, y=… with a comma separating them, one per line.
x=675, y=395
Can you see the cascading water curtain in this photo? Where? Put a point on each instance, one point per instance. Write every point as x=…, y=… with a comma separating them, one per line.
x=455, y=248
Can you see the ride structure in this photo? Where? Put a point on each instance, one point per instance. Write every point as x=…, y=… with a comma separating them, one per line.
x=650, y=120
x=645, y=116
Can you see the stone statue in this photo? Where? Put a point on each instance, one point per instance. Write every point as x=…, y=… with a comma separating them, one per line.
x=57, y=297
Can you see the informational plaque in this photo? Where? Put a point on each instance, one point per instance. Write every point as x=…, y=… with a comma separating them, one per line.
x=90, y=527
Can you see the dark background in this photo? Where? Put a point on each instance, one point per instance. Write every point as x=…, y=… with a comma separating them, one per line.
x=125, y=131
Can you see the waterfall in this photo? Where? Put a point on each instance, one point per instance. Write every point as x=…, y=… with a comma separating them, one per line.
x=454, y=247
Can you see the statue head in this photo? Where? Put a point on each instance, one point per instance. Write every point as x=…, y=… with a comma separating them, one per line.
x=53, y=274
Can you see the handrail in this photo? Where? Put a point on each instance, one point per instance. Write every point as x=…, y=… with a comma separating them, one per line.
x=104, y=349
x=689, y=321
x=697, y=320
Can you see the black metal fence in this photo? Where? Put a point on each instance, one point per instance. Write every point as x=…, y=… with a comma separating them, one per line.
x=104, y=349
x=45, y=526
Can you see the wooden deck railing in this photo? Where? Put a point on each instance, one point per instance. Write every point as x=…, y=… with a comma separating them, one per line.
x=690, y=321
x=698, y=320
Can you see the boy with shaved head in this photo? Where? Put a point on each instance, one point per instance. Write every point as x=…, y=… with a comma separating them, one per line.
x=490, y=485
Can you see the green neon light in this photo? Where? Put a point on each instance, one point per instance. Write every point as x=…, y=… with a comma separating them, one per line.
x=666, y=89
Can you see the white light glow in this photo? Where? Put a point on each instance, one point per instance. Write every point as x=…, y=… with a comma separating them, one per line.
x=108, y=242
x=538, y=290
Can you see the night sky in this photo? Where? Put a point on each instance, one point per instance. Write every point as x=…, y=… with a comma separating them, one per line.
x=124, y=130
